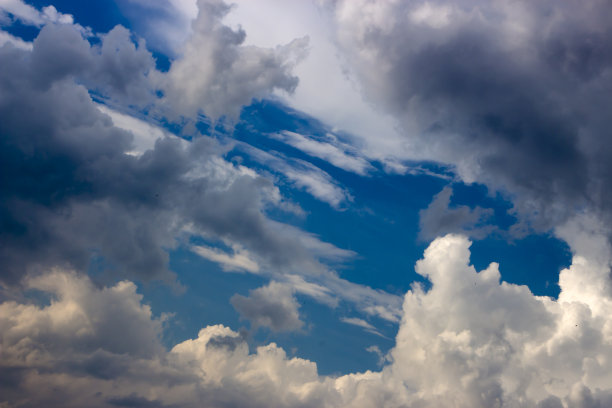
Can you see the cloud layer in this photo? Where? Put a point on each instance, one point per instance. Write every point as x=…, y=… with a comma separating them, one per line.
x=469, y=341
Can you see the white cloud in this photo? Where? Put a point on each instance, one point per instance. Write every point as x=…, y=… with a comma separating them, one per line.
x=469, y=341
x=355, y=321
x=303, y=175
x=325, y=90
x=315, y=291
x=328, y=151
x=145, y=134
x=29, y=15
x=217, y=74
x=318, y=183
x=22, y=11
x=436, y=16
x=79, y=317
x=240, y=260
x=16, y=41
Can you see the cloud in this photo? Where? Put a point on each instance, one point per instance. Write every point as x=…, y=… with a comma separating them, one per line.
x=75, y=187
x=355, y=321
x=469, y=341
x=31, y=16
x=318, y=292
x=166, y=24
x=330, y=151
x=510, y=93
x=439, y=218
x=303, y=175
x=317, y=183
x=6, y=38
x=218, y=75
x=144, y=134
x=238, y=261
x=273, y=306
x=79, y=319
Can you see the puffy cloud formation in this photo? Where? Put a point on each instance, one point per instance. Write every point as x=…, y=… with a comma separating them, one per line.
x=469, y=341
x=18, y=10
x=513, y=93
x=76, y=187
x=273, y=306
x=218, y=75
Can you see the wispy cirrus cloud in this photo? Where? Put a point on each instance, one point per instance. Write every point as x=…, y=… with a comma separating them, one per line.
x=302, y=174
x=330, y=150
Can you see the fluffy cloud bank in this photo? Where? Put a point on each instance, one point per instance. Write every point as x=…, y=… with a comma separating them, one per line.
x=469, y=341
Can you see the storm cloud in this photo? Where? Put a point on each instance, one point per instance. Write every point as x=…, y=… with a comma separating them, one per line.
x=513, y=94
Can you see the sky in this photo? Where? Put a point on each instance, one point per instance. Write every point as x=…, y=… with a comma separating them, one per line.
x=330, y=203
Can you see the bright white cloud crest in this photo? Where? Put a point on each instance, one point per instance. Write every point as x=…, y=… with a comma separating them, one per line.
x=469, y=341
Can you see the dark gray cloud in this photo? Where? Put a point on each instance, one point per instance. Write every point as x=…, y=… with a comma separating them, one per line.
x=513, y=93
x=69, y=191
x=273, y=306
x=116, y=66
x=134, y=401
x=439, y=218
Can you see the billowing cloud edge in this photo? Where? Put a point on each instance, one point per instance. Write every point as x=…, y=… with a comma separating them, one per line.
x=469, y=341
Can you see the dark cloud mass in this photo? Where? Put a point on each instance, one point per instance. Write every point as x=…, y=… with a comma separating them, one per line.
x=515, y=94
x=439, y=218
x=69, y=190
x=272, y=306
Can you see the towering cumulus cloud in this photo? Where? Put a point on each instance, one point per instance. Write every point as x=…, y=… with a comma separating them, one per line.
x=469, y=341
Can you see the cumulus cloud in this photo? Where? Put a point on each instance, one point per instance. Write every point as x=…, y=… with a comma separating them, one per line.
x=468, y=341
x=85, y=184
x=273, y=306
x=31, y=16
x=16, y=41
x=511, y=93
x=75, y=187
x=219, y=75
